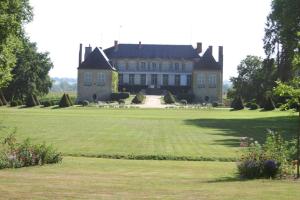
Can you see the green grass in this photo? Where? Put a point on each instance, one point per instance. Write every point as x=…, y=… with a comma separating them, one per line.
x=90, y=178
x=190, y=133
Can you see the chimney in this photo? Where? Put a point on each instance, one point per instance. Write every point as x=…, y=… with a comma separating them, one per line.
x=140, y=44
x=88, y=51
x=199, y=47
x=80, y=54
x=221, y=55
x=116, y=45
x=210, y=48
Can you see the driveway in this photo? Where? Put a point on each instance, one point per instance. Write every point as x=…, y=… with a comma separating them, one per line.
x=153, y=101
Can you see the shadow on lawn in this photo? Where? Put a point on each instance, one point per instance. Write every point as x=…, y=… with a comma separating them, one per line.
x=255, y=128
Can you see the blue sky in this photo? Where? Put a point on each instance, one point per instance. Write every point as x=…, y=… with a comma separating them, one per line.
x=60, y=25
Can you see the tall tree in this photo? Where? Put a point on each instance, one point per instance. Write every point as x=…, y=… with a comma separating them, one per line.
x=13, y=15
x=281, y=38
x=30, y=73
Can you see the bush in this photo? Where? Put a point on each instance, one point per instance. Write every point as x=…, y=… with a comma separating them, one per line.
x=253, y=106
x=20, y=102
x=188, y=97
x=139, y=98
x=215, y=104
x=85, y=103
x=119, y=95
x=47, y=103
x=169, y=98
x=30, y=102
x=278, y=105
x=2, y=98
x=237, y=103
x=248, y=104
x=121, y=101
x=183, y=102
x=13, y=104
x=269, y=103
x=249, y=169
x=64, y=101
x=15, y=155
x=270, y=168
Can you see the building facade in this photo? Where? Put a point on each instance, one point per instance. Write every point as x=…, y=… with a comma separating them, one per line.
x=178, y=68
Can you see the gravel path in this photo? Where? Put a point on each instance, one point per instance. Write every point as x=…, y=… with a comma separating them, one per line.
x=153, y=101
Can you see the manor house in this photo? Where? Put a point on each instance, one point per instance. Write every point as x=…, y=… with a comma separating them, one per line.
x=152, y=67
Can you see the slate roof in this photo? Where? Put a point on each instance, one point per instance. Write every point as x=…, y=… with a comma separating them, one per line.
x=148, y=51
x=207, y=62
x=96, y=60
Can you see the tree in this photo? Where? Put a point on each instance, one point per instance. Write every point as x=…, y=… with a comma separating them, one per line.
x=255, y=75
x=292, y=90
x=14, y=14
x=30, y=73
x=281, y=38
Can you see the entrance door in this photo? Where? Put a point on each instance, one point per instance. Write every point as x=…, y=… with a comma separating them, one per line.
x=154, y=80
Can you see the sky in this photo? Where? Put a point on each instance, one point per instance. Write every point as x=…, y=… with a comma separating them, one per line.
x=59, y=26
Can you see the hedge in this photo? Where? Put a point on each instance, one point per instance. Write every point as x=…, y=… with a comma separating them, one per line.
x=119, y=95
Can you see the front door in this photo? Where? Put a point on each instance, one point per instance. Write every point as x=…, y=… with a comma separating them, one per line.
x=154, y=80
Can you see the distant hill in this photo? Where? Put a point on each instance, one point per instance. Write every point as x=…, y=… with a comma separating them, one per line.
x=64, y=84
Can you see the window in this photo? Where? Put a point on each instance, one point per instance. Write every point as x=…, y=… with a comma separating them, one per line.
x=201, y=81
x=87, y=79
x=154, y=66
x=176, y=67
x=137, y=66
x=165, y=79
x=189, y=80
x=100, y=79
x=131, y=79
x=212, y=81
x=121, y=80
x=149, y=66
x=183, y=67
x=177, y=80
x=160, y=67
x=127, y=66
x=171, y=67
x=143, y=79
x=143, y=66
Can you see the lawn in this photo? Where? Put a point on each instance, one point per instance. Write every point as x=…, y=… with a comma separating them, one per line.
x=194, y=133
x=95, y=178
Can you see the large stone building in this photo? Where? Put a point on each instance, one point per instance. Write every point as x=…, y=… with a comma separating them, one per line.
x=177, y=68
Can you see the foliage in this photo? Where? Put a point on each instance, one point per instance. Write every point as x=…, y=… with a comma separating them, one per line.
x=183, y=102
x=115, y=81
x=13, y=103
x=13, y=15
x=281, y=35
x=268, y=160
x=169, y=98
x=119, y=95
x=253, y=106
x=47, y=103
x=237, y=103
x=30, y=73
x=85, y=103
x=64, y=101
x=139, y=98
x=215, y=104
x=186, y=96
x=15, y=155
x=121, y=101
x=30, y=101
x=255, y=75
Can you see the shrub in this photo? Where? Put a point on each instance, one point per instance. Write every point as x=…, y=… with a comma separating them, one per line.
x=64, y=101
x=14, y=154
x=139, y=98
x=270, y=168
x=85, y=103
x=253, y=106
x=249, y=169
x=13, y=103
x=30, y=102
x=248, y=104
x=215, y=104
x=269, y=103
x=188, y=97
x=2, y=98
x=19, y=102
x=183, y=102
x=169, y=98
x=121, y=101
x=278, y=105
x=237, y=103
x=47, y=103
x=119, y=95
